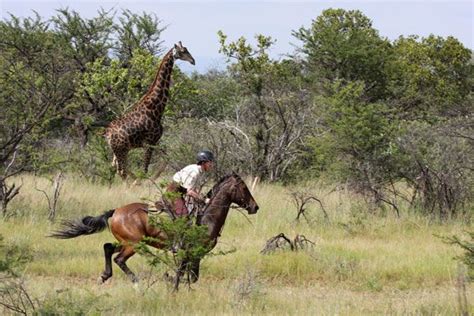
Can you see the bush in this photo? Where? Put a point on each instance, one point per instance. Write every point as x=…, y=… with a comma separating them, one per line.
x=93, y=162
x=438, y=167
x=188, y=241
x=14, y=297
x=468, y=246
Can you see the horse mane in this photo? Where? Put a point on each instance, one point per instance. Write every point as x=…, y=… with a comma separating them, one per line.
x=216, y=188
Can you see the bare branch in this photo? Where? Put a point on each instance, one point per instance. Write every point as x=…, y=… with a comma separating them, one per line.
x=301, y=199
x=57, y=184
x=11, y=161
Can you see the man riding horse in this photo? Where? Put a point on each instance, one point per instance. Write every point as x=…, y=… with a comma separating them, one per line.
x=187, y=182
x=130, y=225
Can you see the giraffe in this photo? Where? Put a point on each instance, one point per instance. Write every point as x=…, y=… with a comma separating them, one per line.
x=141, y=127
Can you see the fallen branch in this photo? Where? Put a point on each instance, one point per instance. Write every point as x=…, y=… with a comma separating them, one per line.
x=282, y=242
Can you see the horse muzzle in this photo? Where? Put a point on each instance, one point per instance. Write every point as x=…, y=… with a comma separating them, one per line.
x=252, y=209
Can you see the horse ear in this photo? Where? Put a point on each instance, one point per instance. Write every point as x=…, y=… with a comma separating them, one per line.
x=236, y=175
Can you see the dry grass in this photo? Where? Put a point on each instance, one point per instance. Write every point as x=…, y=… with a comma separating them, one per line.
x=361, y=264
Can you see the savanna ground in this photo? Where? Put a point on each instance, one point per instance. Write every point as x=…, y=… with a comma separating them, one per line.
x=363, y=262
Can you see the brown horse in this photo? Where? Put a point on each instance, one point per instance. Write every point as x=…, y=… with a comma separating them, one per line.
x=129, y=224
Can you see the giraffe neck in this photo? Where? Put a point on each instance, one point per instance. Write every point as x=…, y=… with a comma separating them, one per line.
x=157, y=95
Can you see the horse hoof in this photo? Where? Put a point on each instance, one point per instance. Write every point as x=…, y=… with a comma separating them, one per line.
x=100, y=280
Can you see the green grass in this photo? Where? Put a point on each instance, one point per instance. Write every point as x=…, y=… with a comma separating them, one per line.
x=361, y=263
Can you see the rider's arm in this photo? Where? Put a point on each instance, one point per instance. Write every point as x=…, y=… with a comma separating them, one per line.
x=189, y=182
x=195, y=194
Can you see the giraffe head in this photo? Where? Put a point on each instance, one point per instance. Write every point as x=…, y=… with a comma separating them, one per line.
x=181, y=52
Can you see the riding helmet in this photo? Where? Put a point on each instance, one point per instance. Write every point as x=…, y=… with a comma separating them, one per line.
x=204, y=156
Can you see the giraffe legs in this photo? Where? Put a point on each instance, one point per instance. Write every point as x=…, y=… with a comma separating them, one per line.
x=147, y=158
x=120, y=162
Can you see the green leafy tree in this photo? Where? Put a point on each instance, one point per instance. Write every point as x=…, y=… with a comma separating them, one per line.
x=212, y=96
x=430, y=83
x=138, y=32
x=84, y=41
x=274, y=111
x=430, y=77
x=343, y=45
x=112, y=87
x=35, y=76
x=362, y=138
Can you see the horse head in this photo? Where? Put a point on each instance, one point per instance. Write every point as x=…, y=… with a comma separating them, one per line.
x=235, y=191
x=241, y=195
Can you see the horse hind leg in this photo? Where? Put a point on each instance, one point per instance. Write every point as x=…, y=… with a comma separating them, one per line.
x=192, y=269
x=109, y=250
x=125, y=253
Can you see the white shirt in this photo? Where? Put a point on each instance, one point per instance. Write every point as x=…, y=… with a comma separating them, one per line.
x=189, y=177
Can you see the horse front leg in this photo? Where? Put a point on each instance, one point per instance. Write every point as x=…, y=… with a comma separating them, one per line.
x=179, y=274
x=192, y=269
x=195, y=270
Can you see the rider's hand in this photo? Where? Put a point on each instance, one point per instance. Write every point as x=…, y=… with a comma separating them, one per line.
x=207, y=200
x=201, y=201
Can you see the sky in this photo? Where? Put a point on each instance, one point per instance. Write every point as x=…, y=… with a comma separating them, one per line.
x=196, y=22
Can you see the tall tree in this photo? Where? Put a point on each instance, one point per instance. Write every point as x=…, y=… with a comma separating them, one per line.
x=84, y=41
x=343, y=45
x=36, y=85
x=430, y=76
x=274, y=111
x=136, y=31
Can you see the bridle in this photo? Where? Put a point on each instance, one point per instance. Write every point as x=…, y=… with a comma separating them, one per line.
x=237, y=190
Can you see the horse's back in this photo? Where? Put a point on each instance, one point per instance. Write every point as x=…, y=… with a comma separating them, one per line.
x=130, y=222
x=132, y=207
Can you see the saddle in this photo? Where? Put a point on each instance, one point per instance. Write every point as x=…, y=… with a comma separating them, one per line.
x=162, y=206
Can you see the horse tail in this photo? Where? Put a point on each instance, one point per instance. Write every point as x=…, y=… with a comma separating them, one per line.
x=85, y=226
